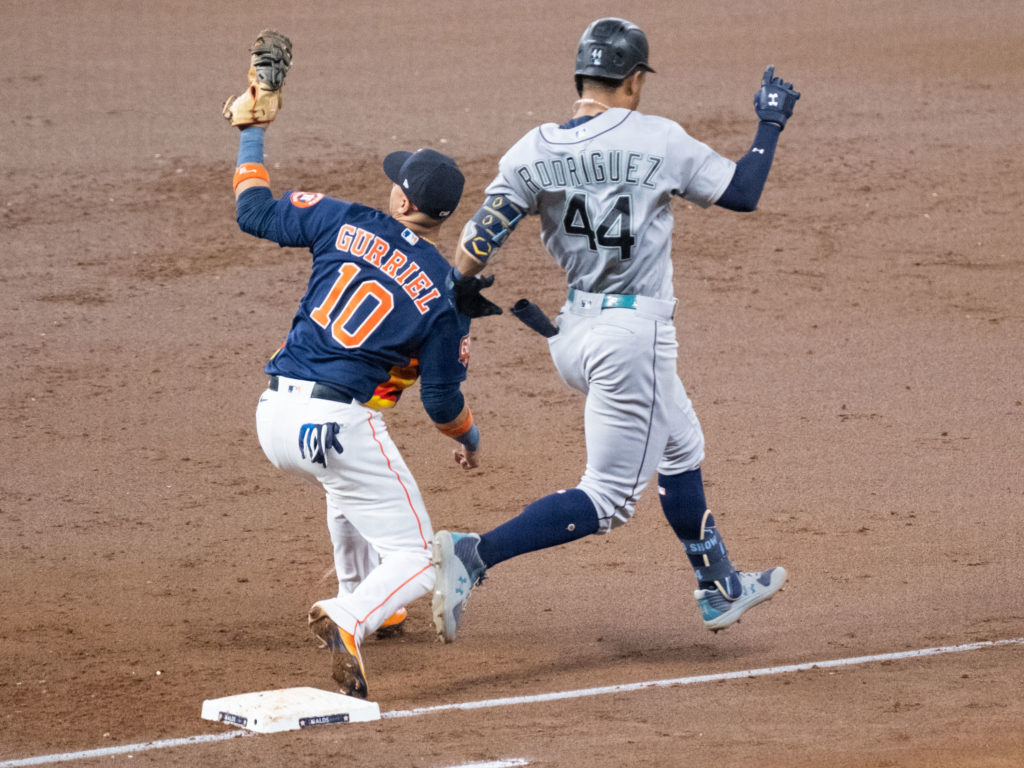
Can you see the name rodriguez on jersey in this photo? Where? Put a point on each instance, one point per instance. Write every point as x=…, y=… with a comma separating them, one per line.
x=601, y=166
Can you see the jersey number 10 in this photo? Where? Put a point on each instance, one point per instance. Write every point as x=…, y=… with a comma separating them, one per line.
x=614, y=231
x=369, y=297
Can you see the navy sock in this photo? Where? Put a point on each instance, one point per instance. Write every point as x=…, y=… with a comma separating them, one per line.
x=682, y=501
x=555, y=519
x=684, y=505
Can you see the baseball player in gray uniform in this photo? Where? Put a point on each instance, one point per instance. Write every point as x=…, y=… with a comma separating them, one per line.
x=602, y=184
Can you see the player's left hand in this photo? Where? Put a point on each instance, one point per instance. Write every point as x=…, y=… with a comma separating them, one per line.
x=468, y=299
x=270, y=59
x=776, y=99
x=466, y=458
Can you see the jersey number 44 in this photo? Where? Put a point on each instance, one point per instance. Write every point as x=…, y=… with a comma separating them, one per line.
x=613, y=231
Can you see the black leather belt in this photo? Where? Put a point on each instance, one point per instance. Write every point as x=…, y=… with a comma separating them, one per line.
x=320, y=391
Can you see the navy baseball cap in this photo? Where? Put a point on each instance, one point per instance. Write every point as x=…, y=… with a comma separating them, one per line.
x=431, y=181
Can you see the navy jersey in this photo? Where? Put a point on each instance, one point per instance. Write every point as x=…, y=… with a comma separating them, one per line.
x=378, y=308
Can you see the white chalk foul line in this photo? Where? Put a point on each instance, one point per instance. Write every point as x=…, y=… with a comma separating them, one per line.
x=536, y=699
x=65, y=757
x=762, y=672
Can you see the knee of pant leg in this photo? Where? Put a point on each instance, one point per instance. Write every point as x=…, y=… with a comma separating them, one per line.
x=679, y=459
x=612, y=509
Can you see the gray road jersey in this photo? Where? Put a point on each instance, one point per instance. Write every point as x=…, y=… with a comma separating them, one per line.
x=603, y=191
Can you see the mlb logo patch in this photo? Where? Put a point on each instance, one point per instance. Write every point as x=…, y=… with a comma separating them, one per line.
x=410, y=237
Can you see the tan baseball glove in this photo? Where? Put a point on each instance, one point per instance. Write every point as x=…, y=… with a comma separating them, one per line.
x=270, y=60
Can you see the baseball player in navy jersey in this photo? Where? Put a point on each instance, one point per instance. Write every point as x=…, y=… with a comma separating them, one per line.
x=378, y=312
x=602, y=184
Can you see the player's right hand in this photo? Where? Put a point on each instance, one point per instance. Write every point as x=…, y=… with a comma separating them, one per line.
x=466, y=458
x=775, y=100
x=468, y=299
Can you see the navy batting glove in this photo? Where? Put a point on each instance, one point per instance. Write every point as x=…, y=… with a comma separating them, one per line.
x=468, y=299
x=774, y=102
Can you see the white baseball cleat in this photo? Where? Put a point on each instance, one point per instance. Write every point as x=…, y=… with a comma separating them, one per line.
x=459, y=569
x=719, y=612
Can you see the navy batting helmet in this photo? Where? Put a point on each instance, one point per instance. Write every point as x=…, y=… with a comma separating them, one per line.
x=612, y=49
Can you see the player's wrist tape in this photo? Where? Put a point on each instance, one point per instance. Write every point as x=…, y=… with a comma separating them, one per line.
x=250, y=145
x=248, y=171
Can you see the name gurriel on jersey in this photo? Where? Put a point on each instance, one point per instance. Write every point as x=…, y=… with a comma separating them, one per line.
x=614, y=166
x=378, y=252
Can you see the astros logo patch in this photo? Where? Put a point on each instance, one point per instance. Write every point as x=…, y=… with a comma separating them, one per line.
x=305, y=199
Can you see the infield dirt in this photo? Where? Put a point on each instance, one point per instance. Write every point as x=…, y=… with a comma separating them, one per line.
x=853, y=350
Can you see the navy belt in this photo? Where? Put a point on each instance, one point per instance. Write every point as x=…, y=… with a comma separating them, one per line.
x=611, y=300
x=320, y=391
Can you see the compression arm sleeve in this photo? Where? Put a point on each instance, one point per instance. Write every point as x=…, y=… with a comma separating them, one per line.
x=751, y=172
x=254, y=207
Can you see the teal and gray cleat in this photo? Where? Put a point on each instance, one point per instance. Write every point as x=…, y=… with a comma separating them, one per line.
x=719, y=612
x=458, y=569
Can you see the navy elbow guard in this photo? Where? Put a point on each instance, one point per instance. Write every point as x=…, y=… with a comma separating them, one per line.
x=490, y=227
